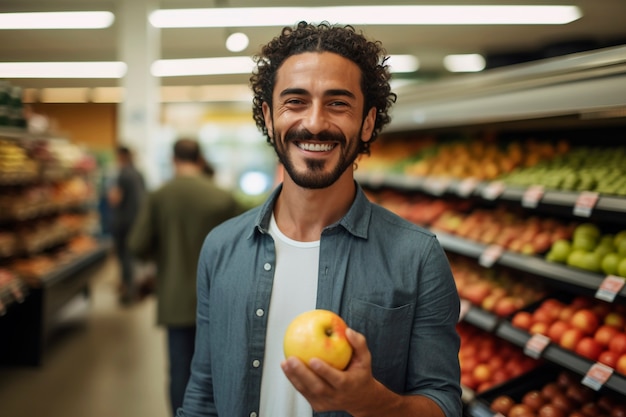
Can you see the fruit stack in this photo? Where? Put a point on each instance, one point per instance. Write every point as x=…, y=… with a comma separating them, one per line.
x=592, y=328
x=487, y=361
x=562, y=395
x=592, y=250
x=496, y=290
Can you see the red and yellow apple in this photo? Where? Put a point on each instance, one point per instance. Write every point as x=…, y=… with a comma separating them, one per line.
x=318, y=334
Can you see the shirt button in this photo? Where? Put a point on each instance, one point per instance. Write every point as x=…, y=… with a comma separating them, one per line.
x=256, y=363
x=260, y=312
x=267, y=266
x=253, y=414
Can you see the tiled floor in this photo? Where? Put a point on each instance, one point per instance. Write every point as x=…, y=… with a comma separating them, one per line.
x=104, y=361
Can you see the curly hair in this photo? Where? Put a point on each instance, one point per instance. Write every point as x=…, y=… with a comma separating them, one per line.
x=369, y=56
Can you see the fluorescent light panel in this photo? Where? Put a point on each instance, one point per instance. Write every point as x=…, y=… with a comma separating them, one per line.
x=56, y=20
x=62, y=69
x=366, y=15
x=464, y=63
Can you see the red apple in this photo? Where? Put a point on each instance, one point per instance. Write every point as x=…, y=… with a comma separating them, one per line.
x=609, y=358
x=589, y=348
x=318, y=334
x=571, y=337
x=620, y=366
x=618, y=343
x=585, y=320
x=605, y=334
x=522, y=320
x=556, y=330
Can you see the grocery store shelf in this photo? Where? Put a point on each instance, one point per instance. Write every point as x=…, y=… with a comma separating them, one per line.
x=575, y=84
x=31, y=322
x=608, y=207
x=560, y=356
x=573, y=278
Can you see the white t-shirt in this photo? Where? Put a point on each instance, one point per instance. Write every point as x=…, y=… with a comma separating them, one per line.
x=294, y=292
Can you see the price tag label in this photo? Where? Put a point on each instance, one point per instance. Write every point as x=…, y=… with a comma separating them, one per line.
x=490, y=256
x=610, y=287
x=436, y=186
x=536, y=345
x=597, y=376
x=493, y=190
x=585, y=203
x=465, y=307
x=532, y=196
x=466, y=187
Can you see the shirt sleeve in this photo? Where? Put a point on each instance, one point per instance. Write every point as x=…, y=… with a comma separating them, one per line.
x=435, y=363
x=142, y=235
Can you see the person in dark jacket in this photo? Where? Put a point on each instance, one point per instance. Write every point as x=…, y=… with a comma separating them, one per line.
x=125, y=198
x=171, y=227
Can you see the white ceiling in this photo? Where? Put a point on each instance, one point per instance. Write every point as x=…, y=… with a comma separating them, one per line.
x=603, y=24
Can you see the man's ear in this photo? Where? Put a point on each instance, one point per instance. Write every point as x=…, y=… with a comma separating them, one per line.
x=267, y=115
x=368, y=125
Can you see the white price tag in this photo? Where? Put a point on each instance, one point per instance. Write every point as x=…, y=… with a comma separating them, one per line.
x=585, y=203
x=490, y=256
x=493, y=190
x=532, y=196
x=466, y=187
x=536, y=345
x=597, y=376
x=610, y=287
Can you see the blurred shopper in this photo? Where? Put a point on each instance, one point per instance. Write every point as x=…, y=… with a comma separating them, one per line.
x=125, y=197
x=172, y=225
x=321, y=97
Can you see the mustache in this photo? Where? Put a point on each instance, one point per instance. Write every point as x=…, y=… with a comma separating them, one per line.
x=324, y=136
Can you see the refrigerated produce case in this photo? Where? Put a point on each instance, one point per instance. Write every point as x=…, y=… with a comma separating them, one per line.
x=578, y=99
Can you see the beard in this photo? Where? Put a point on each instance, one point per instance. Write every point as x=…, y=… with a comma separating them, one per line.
x=316, y=176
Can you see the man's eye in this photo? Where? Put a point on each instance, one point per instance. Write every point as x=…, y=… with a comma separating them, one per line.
x=293, y=101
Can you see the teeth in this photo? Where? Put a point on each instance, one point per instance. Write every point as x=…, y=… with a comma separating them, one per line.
x=316, y=147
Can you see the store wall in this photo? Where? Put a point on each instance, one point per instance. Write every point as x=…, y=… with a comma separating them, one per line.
x=90, y=124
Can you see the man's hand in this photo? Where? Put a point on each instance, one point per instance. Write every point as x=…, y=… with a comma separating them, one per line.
x=327, y=388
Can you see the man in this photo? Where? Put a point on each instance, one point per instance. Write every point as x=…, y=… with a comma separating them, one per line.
x=124, y=199
x=321, y=95
x=170, y=229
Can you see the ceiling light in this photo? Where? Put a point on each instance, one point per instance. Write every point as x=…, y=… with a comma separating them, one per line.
x=237, y=42
x=366, y=15
x=403, y=63
x=56, y=20
x=202, y=66
x=62, y=69
x=464, y=63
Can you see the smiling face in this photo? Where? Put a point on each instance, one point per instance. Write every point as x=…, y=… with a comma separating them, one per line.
x=316, y=121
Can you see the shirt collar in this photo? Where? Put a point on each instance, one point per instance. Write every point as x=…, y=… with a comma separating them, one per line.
x=356, y=221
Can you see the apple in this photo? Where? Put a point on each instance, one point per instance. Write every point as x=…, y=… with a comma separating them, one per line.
x=318, y=334
x=618, y=343
x=589, y=348
x=605, y=333
x=615, y=319
x=620, y=366
x=522, y=320
x=585, y=320
x=556, y=330
x=570, y=338
x=609, y=358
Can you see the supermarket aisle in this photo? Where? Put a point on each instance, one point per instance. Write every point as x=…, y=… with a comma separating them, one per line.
x=106, y=361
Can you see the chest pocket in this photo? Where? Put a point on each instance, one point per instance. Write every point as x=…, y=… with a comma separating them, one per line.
x=388, y=332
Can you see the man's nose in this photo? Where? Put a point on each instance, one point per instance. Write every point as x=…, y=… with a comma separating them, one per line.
x=316, y=119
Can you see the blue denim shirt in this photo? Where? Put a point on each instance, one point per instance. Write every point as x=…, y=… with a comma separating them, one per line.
x=389, y=279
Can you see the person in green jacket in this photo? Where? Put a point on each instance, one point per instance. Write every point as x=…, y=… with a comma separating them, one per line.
x=170, y=229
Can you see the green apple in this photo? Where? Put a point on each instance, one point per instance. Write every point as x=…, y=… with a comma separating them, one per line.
x=588, y=229
x=559, y=251
x=621, y=268
x=619, y=236
x=591, y=261
x=609, y=264
x=585, y=242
